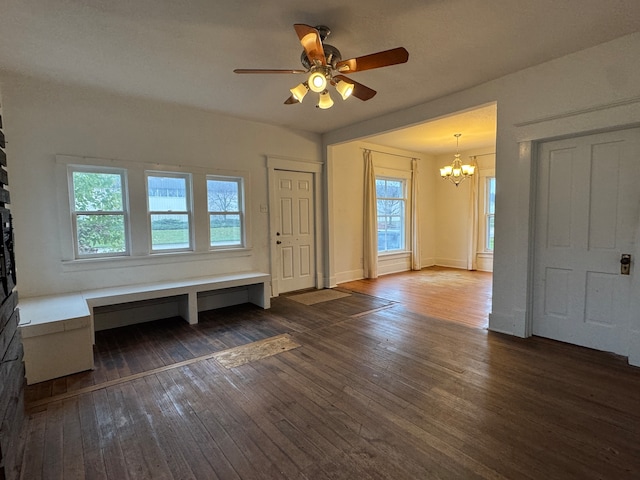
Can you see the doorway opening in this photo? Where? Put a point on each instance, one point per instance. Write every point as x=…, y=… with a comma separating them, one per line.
x=455, y=224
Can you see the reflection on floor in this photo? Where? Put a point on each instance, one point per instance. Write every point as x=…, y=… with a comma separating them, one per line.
x=460, y=296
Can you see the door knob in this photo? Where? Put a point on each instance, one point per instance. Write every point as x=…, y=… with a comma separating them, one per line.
x=278, y=242
x=625, y=264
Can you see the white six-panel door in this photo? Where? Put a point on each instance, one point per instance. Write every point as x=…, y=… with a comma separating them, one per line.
x=295, y=235
x=587, y=214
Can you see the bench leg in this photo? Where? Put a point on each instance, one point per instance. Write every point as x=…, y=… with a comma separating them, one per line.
x=260, y=294
x=192, y=316
x=188, y=307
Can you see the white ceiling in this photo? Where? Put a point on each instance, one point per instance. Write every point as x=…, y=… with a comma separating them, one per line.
x=185, y=51
x=477, y=128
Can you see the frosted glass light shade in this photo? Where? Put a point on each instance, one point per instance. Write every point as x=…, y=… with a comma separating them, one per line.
x=345, y=89
x=325, y=100
x=299, y=92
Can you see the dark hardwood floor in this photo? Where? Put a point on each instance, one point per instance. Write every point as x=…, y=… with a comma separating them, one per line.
x=376, y=390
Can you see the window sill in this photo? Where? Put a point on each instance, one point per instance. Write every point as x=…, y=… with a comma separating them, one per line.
x=485, y=254
x=392, y=255
x=84, y=264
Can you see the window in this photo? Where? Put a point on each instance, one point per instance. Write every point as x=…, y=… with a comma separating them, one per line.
x=226, y=211
x=391, y=203
x=489, y=212
x=127, y=211
x=98, y=211
x=169, y=207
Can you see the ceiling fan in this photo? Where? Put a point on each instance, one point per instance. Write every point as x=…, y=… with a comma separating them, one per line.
x=324, y=65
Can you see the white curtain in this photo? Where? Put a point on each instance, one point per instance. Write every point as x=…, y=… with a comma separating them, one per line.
x=370, y=218
x=415, y=218
x=472, y=263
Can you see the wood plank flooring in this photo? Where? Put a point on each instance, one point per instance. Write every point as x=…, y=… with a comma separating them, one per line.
x=450, y=294
x=375, y=391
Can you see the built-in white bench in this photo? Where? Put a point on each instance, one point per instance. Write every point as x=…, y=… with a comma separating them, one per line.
x=58, y=330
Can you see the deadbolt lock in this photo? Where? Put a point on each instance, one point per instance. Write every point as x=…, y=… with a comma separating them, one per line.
x=625, y=264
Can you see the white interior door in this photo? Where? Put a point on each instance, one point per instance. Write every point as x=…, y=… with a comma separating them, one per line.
x=295, y=233
x=588, y=204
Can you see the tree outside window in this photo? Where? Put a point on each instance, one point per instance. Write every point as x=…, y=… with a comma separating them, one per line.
x=99, y=212
x=226, y=211
x=391, y=206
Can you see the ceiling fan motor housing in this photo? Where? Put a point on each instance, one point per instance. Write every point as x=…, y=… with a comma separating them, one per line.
x=331, y=54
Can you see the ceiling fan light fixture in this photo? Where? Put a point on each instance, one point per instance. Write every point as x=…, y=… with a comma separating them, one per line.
x=317, y=81
x=300, y=91
x=345, y=89
x=325, y=100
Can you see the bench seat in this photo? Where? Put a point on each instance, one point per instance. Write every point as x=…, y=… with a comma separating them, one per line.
x=58, y=330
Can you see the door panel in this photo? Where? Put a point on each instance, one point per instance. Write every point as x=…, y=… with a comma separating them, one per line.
x=587, y=213
x=599, y=298
x=295, y=231
x=287, y=267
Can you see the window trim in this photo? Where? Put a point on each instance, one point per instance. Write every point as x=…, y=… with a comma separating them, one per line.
x=70, y=170
x=485, y=176
x=139, y=250
x=403, y=177
x=189, y=212
x=240, y=181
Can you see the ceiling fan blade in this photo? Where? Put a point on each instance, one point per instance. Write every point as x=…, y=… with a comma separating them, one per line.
x=291, y=100
x=359, y=90
x=260, y=70
x=374, y=60
x=310, y=40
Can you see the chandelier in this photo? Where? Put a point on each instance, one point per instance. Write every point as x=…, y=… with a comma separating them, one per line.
x=457, y=172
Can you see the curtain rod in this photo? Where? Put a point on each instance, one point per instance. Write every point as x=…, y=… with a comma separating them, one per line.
x=483, y=154
x=387, y=153
x=406, y=156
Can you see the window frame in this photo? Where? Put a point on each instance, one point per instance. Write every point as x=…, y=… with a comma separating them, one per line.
x=73, y=168
x=240, y=182
x=138, y=230
x=486, y=178
x=187, y=176
x=406, y=224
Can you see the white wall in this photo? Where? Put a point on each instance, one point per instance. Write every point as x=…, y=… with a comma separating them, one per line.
x=453, y=208
x=444, y=209
x=595, y=89
x=43, y=119
x=345, y=215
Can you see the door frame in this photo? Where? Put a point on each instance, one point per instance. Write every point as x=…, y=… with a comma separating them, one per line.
x=294, y=165
x=530, y=134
